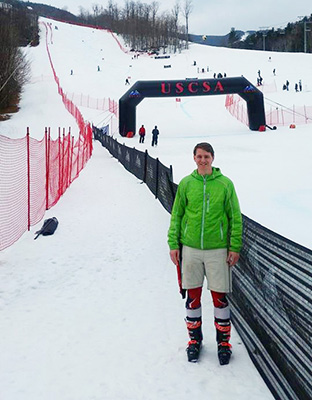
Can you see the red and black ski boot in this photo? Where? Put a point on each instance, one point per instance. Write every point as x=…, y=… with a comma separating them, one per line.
x=224, y=353
x=223, y=328
x=196, y=337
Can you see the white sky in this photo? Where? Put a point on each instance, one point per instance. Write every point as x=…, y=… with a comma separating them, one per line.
x=218, y=17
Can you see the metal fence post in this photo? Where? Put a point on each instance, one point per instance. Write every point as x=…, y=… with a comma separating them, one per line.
x=171, y=173
x=145, y=166
x=47, y=149
x=157, y=176
x=28, y=179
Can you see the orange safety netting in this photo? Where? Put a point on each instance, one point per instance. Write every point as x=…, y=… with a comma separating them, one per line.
x=33, y=176
x=277, y=115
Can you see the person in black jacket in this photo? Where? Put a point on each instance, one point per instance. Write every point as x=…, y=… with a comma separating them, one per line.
x=155, y=133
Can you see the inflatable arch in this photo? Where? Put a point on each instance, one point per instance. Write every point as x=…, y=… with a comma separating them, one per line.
x=190, y=87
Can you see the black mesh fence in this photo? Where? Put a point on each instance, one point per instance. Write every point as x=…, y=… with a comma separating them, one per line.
x=157, y=176
x=272, y=288
x=271, y=309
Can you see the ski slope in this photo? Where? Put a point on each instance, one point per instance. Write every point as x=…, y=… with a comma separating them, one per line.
x=94, y=312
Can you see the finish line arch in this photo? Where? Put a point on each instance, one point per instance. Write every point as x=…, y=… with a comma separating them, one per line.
x=190, y=87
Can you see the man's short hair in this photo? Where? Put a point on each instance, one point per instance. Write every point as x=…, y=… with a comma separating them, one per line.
x=204, y=146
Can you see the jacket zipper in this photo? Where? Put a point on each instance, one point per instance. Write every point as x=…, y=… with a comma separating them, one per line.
x=203, y=216
x=221, y=230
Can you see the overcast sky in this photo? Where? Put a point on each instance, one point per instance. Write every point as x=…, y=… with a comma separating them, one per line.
x=218, y=17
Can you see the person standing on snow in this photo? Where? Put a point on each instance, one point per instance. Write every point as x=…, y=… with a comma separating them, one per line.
x=206, y=227
x=142, y=134
x=155, y=133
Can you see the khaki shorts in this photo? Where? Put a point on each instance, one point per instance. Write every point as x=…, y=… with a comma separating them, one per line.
x=197, y=264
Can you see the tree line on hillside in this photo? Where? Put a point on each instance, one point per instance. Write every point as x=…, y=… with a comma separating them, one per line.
x=295, y=37
x=141, y=25
x=18, y=28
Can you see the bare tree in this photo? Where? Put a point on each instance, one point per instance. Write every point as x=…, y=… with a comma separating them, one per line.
x=175, y=13
x=97, y=11
x=187, y=8
x=154, y=10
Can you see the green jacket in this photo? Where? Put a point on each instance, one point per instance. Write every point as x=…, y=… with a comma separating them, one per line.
x=206, y=213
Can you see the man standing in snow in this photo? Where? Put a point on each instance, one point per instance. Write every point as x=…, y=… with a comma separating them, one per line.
x=155, y=133
x=142, y=134
x=206, y=223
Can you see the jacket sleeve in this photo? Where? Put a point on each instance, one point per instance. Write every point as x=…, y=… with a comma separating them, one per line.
x=177, y=213
x=235, y=220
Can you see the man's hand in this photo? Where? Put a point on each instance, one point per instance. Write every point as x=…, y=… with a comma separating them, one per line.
x=232, y=258
x=175, y=256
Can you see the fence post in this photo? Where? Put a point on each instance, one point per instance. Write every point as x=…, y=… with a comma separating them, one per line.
x=78, y=155
x=157, y=175
x=47, y=149
x=63, y=162
x=305, y=114
x=59, y=162
x=28, y=179
x=68, y=157
x=71, y=158
x=145, y=166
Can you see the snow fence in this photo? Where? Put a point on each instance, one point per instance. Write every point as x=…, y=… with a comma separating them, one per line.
x=34, y=174
x=276, y=113
x=272, y=287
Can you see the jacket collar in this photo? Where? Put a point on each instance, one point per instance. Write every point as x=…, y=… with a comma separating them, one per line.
x=216, y=172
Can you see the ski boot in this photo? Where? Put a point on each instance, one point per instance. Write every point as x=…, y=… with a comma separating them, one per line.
x=196, y=337
x=223, y=330
x=224, y=353
x=193, y=351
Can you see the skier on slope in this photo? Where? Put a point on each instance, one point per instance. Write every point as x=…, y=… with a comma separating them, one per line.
x=206, y=222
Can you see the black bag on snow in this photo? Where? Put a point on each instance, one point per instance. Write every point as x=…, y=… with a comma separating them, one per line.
x=48, y=227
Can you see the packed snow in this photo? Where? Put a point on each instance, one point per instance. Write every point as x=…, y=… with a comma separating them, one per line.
x=93, y=312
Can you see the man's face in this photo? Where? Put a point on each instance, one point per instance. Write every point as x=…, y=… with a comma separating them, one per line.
x=203, y=161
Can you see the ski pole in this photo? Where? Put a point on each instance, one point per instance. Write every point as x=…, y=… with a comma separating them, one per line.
x=179, y=273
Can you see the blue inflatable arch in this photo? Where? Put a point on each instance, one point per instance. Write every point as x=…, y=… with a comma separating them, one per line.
x=190, y=87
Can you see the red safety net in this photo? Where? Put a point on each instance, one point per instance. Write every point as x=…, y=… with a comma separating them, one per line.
x=276, y=115
x=33, y=176
x=237, y=108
